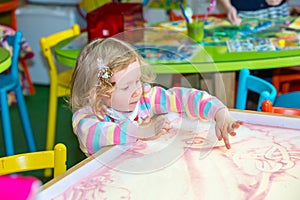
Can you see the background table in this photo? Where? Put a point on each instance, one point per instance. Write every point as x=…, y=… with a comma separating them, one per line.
x=210, y=58
x=263, y=163
x=5, y=59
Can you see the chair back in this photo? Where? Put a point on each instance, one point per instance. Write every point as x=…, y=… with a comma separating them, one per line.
x=247, y=82
x=267, y=106
x=285, y=78
x=55, y=159
x=47, y=43
x=15, y=42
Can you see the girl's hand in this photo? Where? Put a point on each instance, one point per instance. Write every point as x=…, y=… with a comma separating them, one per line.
x=225, y=124
x=158, y=126
x=273, y=2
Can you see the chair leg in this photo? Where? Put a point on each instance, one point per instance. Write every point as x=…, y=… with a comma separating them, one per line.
x=275, y=79
x=6, y=125
x=51, y=126
x=25, y=119
x=27, y=76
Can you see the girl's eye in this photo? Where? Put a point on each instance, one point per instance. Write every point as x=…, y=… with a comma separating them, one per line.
x=125, y=88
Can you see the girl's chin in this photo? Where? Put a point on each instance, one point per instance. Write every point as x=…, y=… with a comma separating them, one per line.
x=131, y=108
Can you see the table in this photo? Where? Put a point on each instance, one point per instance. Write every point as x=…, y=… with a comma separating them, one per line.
x=211, y=58
x=264, y=163
x=5, y=59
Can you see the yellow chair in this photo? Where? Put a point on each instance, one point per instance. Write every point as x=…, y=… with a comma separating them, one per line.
x=59, y=82
x=55, y=159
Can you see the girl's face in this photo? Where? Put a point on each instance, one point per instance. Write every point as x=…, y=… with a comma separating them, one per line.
x=128, y=88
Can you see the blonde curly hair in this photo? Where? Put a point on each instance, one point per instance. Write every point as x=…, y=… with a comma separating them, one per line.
x=115, y=54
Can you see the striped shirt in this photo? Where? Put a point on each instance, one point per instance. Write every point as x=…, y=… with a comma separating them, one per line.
x=266, y=13
x=95, y=131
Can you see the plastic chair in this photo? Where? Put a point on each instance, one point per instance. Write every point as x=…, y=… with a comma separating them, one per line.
x=10, y=82
x=255, y=84
x=59, y=82
x=267, y=106
x=8, y=13
x=289, y=100
x=283, y=77
x=55, y=159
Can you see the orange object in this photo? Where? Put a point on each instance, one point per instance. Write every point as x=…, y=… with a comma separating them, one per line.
x=10, y=7
x=284, y=77
x=268, y=107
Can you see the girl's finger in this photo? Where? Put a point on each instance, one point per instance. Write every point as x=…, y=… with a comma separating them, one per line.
x=225, y=137
x=218, y=133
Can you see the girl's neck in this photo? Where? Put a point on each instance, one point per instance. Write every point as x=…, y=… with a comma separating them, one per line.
x=121, y=116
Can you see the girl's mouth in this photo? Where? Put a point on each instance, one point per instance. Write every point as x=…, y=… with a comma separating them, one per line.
x=133, y=103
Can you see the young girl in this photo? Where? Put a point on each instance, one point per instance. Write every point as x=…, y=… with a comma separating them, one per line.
x=111, y=99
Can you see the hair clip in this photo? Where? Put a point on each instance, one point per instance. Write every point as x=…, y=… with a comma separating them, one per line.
x=104, y=72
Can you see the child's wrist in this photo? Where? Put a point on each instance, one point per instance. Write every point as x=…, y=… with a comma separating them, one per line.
x=219, y=112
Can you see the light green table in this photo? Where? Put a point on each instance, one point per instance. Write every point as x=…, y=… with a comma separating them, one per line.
x=211, y=59
x=5, y=59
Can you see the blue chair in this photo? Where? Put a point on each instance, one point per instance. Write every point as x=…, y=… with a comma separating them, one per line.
x=288, y=100
x=10, y=82
x=247, y=82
